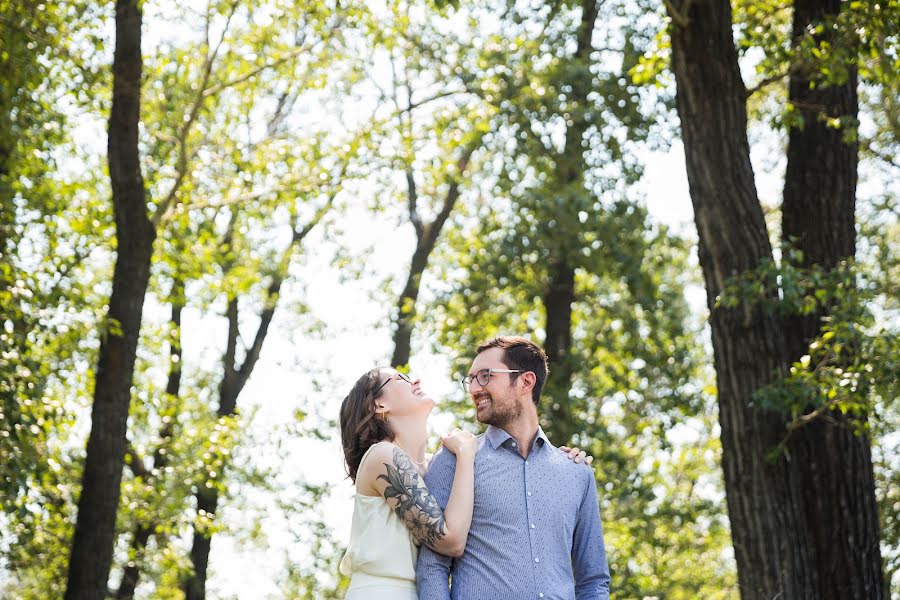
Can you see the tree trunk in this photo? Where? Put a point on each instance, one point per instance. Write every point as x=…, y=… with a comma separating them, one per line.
x=406, y=305
x=144, y=531
x=208, y=498
x=748, y=342
x=831, y=466
x=92, y=544
x=556, y=416
x=776, y=532
x=234, y=379
x=559, y=295
x=426, y=238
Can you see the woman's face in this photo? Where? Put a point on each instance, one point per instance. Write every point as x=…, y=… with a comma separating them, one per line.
x=402, y=396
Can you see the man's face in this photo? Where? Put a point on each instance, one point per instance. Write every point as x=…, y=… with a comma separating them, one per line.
x=498, y=402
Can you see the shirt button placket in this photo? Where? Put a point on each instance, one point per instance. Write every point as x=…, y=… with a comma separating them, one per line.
x=530, y=513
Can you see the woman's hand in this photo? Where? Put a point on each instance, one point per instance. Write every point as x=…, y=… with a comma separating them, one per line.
x=577, y=455
x=460, y=443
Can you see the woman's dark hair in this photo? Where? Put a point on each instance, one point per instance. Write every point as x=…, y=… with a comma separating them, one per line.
x=361, y=427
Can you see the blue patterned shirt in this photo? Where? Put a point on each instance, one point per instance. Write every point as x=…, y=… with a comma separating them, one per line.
x=535, y=531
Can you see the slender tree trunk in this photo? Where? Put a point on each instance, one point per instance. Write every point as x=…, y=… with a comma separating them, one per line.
x=144, y=530
x=92, y=545
x=559, y=295
x=234, y=378
x=556, y=416
x=233, y=382
x=406, y=304
x=776, y=532
x=208, y=498
x=831, y=466
x=426, y=238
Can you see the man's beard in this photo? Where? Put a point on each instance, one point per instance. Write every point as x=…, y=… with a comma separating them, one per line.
x=501, y=416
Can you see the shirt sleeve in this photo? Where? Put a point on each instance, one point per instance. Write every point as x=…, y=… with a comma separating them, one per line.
x=433, y=569
x=589, y=564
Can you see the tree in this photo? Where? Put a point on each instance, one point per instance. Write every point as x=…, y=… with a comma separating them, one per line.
x=438, y=124
x=92, y=544
x=788, y=515
x=558, y=245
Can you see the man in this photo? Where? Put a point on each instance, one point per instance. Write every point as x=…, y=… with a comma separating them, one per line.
x=536, y=529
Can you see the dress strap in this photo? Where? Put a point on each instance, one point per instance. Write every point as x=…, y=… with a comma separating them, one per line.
x=365, y=456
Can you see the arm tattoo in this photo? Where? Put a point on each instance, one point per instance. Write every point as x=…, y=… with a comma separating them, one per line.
x=416, y=507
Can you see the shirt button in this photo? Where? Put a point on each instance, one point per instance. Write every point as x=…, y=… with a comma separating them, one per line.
x=536, y=559
x=513, y=444
x=529, y=493
x=526, y=462
x=541, y=595
x=532, y=525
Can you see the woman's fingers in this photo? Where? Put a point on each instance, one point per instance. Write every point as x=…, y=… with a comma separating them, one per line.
x=577, y=455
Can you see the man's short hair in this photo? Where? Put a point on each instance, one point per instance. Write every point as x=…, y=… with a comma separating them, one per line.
x=522, y=354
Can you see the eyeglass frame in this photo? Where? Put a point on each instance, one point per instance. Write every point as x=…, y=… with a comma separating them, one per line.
x=466, y=382
x=400, y=374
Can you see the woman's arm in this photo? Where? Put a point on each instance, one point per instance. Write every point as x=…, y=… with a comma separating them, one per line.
x=390, y=473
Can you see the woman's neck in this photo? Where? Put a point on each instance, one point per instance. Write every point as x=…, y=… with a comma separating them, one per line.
x=411, y=438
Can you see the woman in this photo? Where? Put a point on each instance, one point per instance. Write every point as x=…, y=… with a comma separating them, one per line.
x=383, y=430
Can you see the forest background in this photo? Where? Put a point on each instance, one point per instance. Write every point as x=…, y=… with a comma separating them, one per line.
x=215, y=216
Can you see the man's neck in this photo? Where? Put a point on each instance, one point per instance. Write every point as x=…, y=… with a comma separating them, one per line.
x=524, y=431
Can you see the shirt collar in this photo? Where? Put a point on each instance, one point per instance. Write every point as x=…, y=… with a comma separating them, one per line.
x=497, y=437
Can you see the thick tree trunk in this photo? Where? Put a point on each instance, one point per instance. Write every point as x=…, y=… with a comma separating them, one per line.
x=777, y=533
x=831, y=466
x=92, y=545
x=748, y=343
x=144, y=531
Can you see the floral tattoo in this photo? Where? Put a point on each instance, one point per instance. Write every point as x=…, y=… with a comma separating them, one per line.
x=415, y=505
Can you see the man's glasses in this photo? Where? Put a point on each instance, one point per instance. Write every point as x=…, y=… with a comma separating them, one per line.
x=402, y=376
x=483, y=377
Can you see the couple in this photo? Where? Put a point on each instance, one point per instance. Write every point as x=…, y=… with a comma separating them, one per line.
x=506, y=515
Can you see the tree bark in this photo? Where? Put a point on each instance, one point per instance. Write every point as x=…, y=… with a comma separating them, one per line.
x=748, y=343
x=776, y=530
x=92, y=544
x=831, y=466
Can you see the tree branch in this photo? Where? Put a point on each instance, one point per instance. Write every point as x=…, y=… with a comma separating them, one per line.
x=765, y=82
x=183, y=159
x=679, y=16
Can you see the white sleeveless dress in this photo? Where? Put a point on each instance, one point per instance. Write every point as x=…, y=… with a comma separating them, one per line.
x=381, y=556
